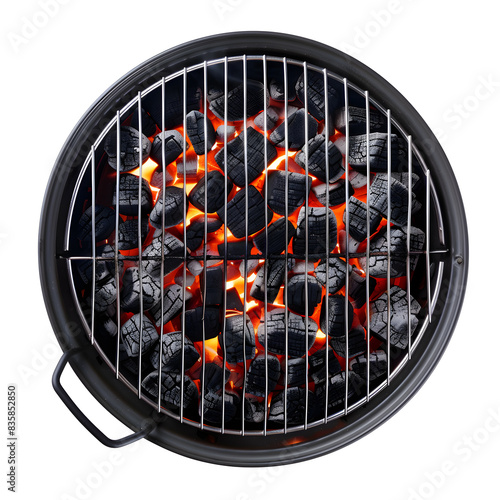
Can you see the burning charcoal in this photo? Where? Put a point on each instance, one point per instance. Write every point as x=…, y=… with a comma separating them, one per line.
x=336, y=193
x=316, y=221
x=130, y=294
x=255, y=410
x=277, y=90
x=195, y=231
x=129, y=195
x=215, y=192
x=174, y=203
x=234, y=339
x=157, y=177
x=172, y=304
x=296, y=295
x=129, y=148
x=104, y=224
x=272, y=117
x=213, y=377
x=212, y=407
x=128, y=233
x=336, y=315
x=336, y=274
x=378, y=152
x=173, y=254
x=213, y=286
x=174, y=146
x=147, y=123
x=316, y=94
x=171, y=388
x=202, y=323
x=296, y=131
x=357, y=219
x=256, y=377
x=190, y=164
x=276, y=333
x=238, y=217
x=357, y=287
x=105, y=294
x=131, y=335
x=236, y=250
x=399, y=317
x=172, y=352
x=103, y=268
x=277, y=188
x=357, y=342
x=276, y=235
x=275, y=276
x=317, y=365
x=233, y=300
x=357, y=121
x=255, y=95
x=195, y=130
x=317, y=159
x=295, y=406
x=378, y=365
x=399, y=199
x=254, y=164
x=336, y=390
x=296, y=372
x=221, y=132
x=248, y=266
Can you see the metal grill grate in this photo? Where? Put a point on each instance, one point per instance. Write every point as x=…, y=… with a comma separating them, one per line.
x=414, y=162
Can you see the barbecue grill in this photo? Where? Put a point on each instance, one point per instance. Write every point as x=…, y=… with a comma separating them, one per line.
x=253, y=250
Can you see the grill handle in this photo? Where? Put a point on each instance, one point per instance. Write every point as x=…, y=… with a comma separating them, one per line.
x=81, y=417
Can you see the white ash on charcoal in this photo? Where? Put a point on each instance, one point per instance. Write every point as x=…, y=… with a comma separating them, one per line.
x=336, y=315
x=378, y=199
x=255, y=409
x=347, y=243
x=147, y=123
x=378, y=365
x=203, y=323
x=296, y=131
x=174, y=208
x=298, y=188
x=295, y=406
x=195, y=130
x=173, y=255
x=404, y=178
x=179, y=278
x=296, y=372
x=277, y=89
x=249, y=266
x=357, y=342
x=275, y=276
x=131, y=335
x=103, y=268
x=380, y=246
x=272, y=115
x=315, y=92
x=129, y=148
x=336, y=193
x=212, y=407
x=157, y=177
x=400, y=325
x=130, y=296
x=357, y=179
x=172, y=352
x=105, y=294
x=358, y=212
x=189, y=164
x=195, y=267
x=357, y=287
x=128, y=233
x=336, y=273
x=300, y=266
x=222, y=130
x=317, y=365
x=298, y=290
x=195, y=230
x=212, y=284
x=171, y=388
x=317, y=159
x=234, y=333
x=357, y=120
x=216, y=198
x=172, y=304
x=129, y=196
x=256, y=99
x=236, y=250
x=174, y=146
x=104, y=224
x=276, y=333
x=256, y=376
x=276, y=237
x=254, y=163
x=377, y=144
x=238, y=219
x=336, y=390
x=316, y=243
x=212, y=376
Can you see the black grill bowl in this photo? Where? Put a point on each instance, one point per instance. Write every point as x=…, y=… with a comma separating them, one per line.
x=226, y=449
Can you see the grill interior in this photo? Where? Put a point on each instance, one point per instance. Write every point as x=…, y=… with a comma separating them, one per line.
x=234, y=92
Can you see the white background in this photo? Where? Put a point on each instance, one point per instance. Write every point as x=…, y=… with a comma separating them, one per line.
x=438, y=55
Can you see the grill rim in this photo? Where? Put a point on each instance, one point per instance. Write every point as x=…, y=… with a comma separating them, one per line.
x=135, y=413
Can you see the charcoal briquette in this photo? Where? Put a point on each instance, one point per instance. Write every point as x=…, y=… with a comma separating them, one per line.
x=315, y=92
x=297, y=292
x=129, y=196
x=195, y=130
x=129, y=148
x=128, y=233
x=174, y=208
x=202, y=323
x=172, y=352
x=276, y=237
x=377, y=145
x=171, y=388
x=336, y=274
x=377, y=369
x=336, y=315
x=131, y=335
x=357, y=121
x=234, y=333
x=174, y=146
x=173, y=296
x=256, y=376
x=356, y=339
x=296, y=131
x=357, y=219
x=336, y=193
x=104, y=224
x=195, y=230
x=317, y=365
x=275, y=276
x=130, y=295
x=216, y=199
x=173, y=255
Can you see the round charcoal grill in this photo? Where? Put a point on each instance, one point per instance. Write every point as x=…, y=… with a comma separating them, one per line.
x=265, y=178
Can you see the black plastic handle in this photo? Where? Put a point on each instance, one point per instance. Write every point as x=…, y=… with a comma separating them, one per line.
x=73, y=408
